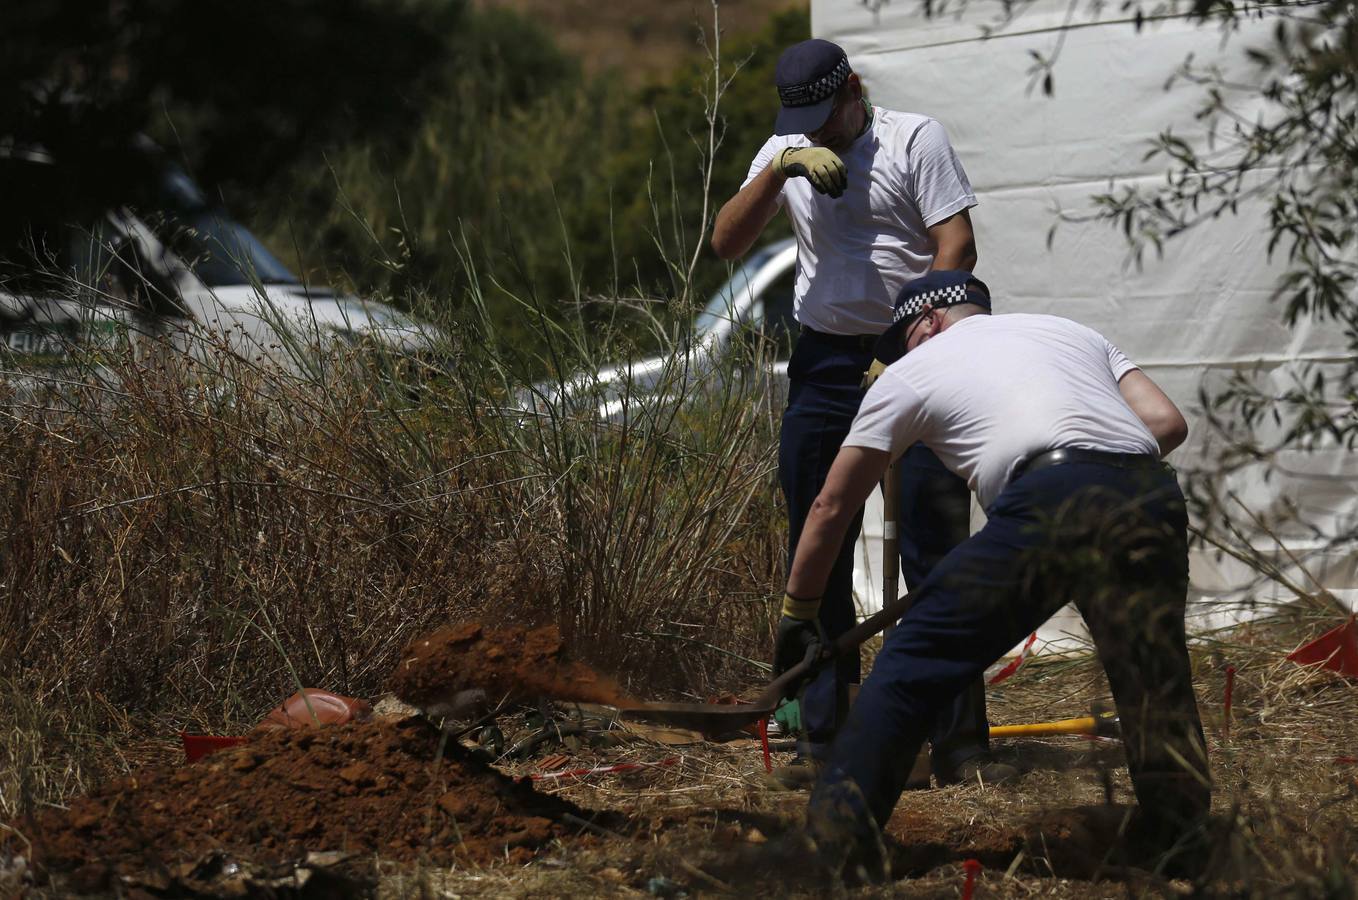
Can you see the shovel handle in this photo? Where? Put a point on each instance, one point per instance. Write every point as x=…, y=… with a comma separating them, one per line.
x=877, y=622
x=1101, y=723
x=777, y=689
x=1081, y=725
x=847, y=642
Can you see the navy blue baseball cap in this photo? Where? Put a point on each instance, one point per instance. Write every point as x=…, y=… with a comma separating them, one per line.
x=936, y=290
x=808, y=75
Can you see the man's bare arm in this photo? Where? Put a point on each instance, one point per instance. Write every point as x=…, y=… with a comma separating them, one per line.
x=1156, y=410
x=854, y=474
x=956, y=242
x=742, y=219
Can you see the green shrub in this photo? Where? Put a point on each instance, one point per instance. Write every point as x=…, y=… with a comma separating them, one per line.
x=572, y=192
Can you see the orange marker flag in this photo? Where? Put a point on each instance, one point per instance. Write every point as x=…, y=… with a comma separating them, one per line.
x=1336, y=650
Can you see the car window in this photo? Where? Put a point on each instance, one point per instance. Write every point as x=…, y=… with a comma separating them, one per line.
x=220, y=250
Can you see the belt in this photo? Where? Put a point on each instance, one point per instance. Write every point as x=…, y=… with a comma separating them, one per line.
x=863, y=342
x=1076, y=455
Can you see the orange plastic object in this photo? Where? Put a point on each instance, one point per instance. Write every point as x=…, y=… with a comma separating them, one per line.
x=196, y=746
x=313, y=706
x=1336, y=650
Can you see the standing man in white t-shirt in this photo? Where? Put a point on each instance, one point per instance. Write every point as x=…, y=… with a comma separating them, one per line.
x=1061, y=437
x=876, y=198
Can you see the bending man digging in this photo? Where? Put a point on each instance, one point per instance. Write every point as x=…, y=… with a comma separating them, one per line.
x=1061, y=438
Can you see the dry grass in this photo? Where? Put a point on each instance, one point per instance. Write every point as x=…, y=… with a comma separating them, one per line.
x=180, y=556
x=189, y=538
x=190, y=541
x=1285, y=804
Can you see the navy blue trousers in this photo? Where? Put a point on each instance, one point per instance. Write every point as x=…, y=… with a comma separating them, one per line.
x=1111, y=540
x=935, y=508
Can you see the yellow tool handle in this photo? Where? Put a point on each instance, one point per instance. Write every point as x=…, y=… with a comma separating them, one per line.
x=1082, y=725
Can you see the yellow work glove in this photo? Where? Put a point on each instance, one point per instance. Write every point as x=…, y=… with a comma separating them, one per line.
x=872, y=374
x=823, y=168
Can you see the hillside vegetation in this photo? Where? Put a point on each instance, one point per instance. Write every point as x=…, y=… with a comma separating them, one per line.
x=584, y=195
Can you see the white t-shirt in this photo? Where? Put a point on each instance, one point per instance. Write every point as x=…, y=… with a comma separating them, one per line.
x=991, y=391
x=855, y=252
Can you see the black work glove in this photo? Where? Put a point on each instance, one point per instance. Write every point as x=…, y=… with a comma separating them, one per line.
x=799, y=631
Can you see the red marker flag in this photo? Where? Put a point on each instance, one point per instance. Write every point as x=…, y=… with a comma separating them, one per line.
x=972, y=866
x=1336, y=650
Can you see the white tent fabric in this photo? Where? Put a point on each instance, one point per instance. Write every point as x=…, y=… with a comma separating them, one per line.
x=1199, y=313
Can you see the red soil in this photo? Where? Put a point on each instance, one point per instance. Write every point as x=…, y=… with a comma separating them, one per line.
x=507, y=663
x=373, y=788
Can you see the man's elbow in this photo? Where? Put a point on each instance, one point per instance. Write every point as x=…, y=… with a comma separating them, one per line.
x=724, y=246
x=725, y=235
x=1173, y=432
x=1169, y=429
x=830, y=509
x=956, y=254
x=955, y=243
x=969, y=257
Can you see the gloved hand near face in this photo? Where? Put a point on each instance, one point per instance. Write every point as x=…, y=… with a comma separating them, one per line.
x=822, y=167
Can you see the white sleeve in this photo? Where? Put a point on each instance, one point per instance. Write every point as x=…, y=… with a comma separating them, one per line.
x=762, y=159
x=890, y=417
x=937, y=180
x=1118, y=361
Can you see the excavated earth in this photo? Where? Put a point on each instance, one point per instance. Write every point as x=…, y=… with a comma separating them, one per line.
x=507, y=663
x=398, y=790
x=382, y=788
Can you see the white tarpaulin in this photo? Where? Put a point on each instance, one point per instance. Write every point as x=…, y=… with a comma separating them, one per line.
x=1200, y=312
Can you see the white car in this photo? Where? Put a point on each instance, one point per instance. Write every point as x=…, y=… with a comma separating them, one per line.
x=177, y=269
x=756, y=304
x=754, y=307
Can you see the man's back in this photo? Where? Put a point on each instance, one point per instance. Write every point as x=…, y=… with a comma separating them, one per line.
x=992, y=391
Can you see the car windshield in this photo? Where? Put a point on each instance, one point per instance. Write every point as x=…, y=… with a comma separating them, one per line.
x=726, y=302
x=221, y=250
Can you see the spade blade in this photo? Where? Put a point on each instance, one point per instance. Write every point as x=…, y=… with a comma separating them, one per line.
x=709, y=718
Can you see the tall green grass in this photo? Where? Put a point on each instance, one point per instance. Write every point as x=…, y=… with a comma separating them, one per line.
x=578, y=191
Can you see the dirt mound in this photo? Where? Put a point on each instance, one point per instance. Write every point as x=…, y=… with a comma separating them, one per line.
x=507, y=663
x=377, y=788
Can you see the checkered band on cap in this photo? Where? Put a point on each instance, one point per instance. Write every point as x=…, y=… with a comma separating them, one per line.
x=950, y=295
x=808, y=93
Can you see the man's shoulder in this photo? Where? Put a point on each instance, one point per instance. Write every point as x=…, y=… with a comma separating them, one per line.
x=894, y=124
x=901, y=116
x=1043, y=322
